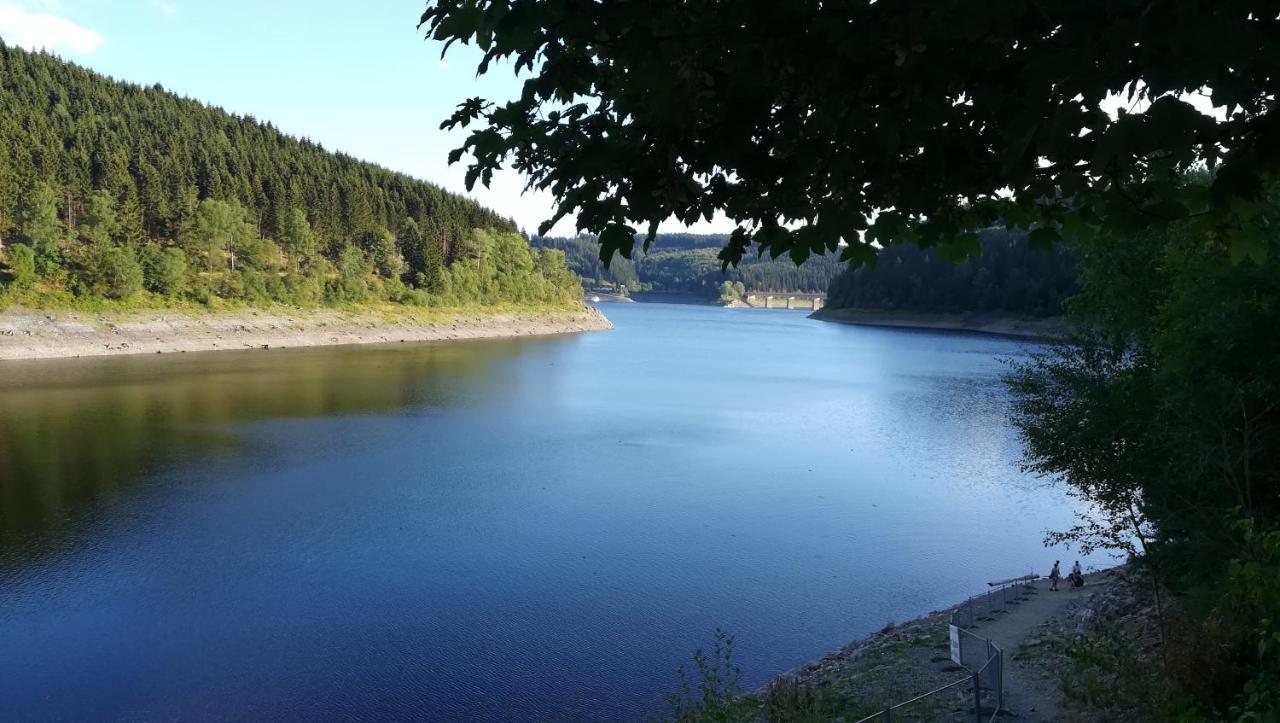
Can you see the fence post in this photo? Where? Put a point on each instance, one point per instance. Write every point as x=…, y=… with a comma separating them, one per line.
x=888, y=715
x=977, y=699
x=999, y=680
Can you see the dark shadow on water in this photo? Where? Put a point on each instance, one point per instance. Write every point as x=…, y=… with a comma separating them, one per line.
x=77, y=433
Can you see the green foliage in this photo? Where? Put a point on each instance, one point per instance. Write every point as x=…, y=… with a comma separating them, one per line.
x=381, y=247
x=501, y=266
x=1163, y=416
x=163, y=270
x=1106, y=675
x=259, y=217
x=256, y=253
x=108, y=271
x=689, y=264
x=203, y=153
x=1007, y=277
x=729, y=293
x=583, y=255
x=414, y=248
x=789, y=701
x=297, y=238
x=308, y=288
x=22, y=266
x=254, y=286
x=99, y=223
x=1172, y=398
x=220, y=231
x=718, y=695
x=352, y=284
x=38, y=223
x=1251, y=607
x=960, y=116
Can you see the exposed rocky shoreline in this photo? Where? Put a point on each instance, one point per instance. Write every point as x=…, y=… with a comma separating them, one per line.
x=905, y=660
x=36, y=334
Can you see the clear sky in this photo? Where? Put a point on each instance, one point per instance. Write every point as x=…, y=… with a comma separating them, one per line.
x=355, y=76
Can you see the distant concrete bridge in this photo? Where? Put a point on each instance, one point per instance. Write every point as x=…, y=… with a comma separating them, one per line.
x=804, y=302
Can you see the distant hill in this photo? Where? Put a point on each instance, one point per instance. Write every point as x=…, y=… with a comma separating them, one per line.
x=682, y=263
x=1008, y=278
x=114, y=190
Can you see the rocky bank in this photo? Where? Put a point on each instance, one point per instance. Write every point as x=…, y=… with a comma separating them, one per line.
x=35, y=334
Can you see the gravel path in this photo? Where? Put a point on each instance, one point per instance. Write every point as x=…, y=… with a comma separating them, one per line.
x=1028, y=695
x=903, y=661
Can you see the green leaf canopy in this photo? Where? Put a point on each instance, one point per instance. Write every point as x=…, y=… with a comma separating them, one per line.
x=811, y=122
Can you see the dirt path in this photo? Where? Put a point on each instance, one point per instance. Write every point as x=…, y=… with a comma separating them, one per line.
x=1028, y=696
x=902, y=661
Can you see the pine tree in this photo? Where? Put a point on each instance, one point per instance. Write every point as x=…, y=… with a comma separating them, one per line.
x=411, y=246
x=39, y=224
x=132, y=229
x=99, y=224
x=76, y=147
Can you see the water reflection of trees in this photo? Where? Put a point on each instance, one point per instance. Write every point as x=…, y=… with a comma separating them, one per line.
x=75, y=434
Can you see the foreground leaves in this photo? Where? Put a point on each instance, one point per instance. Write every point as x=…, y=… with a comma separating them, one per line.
x=811, y=124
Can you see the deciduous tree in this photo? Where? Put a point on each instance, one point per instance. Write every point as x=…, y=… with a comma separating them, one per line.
x=811, y=122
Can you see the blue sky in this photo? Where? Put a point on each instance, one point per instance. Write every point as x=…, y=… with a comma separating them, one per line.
x=355, y=76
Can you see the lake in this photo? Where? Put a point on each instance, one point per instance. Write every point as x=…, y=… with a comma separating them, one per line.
x=524, y=529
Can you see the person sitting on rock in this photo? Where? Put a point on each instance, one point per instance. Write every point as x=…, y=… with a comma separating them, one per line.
x=1077, y=575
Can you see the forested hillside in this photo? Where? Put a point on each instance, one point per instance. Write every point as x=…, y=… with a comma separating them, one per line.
x=109, y=189
x=687, y=264
x=1009, y=277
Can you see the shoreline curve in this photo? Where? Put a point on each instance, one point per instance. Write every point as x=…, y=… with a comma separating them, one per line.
x=27, y=334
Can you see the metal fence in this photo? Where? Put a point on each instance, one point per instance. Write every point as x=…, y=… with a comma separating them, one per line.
x=999, y=599
x=984, y=660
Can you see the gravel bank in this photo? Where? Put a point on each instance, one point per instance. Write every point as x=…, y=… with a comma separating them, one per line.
x=35, y=334
x=905, y=660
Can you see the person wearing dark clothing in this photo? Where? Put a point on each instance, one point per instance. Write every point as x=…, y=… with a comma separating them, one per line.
x=1077, y=575
x=1055, y=575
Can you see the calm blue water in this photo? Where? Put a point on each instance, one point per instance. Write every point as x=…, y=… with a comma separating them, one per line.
x=534, y=529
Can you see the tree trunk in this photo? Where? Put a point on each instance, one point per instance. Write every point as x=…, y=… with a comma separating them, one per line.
x=1155, y=587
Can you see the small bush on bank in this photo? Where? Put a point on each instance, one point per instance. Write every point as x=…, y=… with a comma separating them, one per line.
x=1106, y=675
x=163, y=270
x=787, y=699
x=21, y=261
x=107, y=271
x=719, y=694
x=1251, y=606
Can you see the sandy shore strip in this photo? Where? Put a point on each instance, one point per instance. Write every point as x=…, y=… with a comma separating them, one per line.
x=37, y=334
x=1025, y=328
